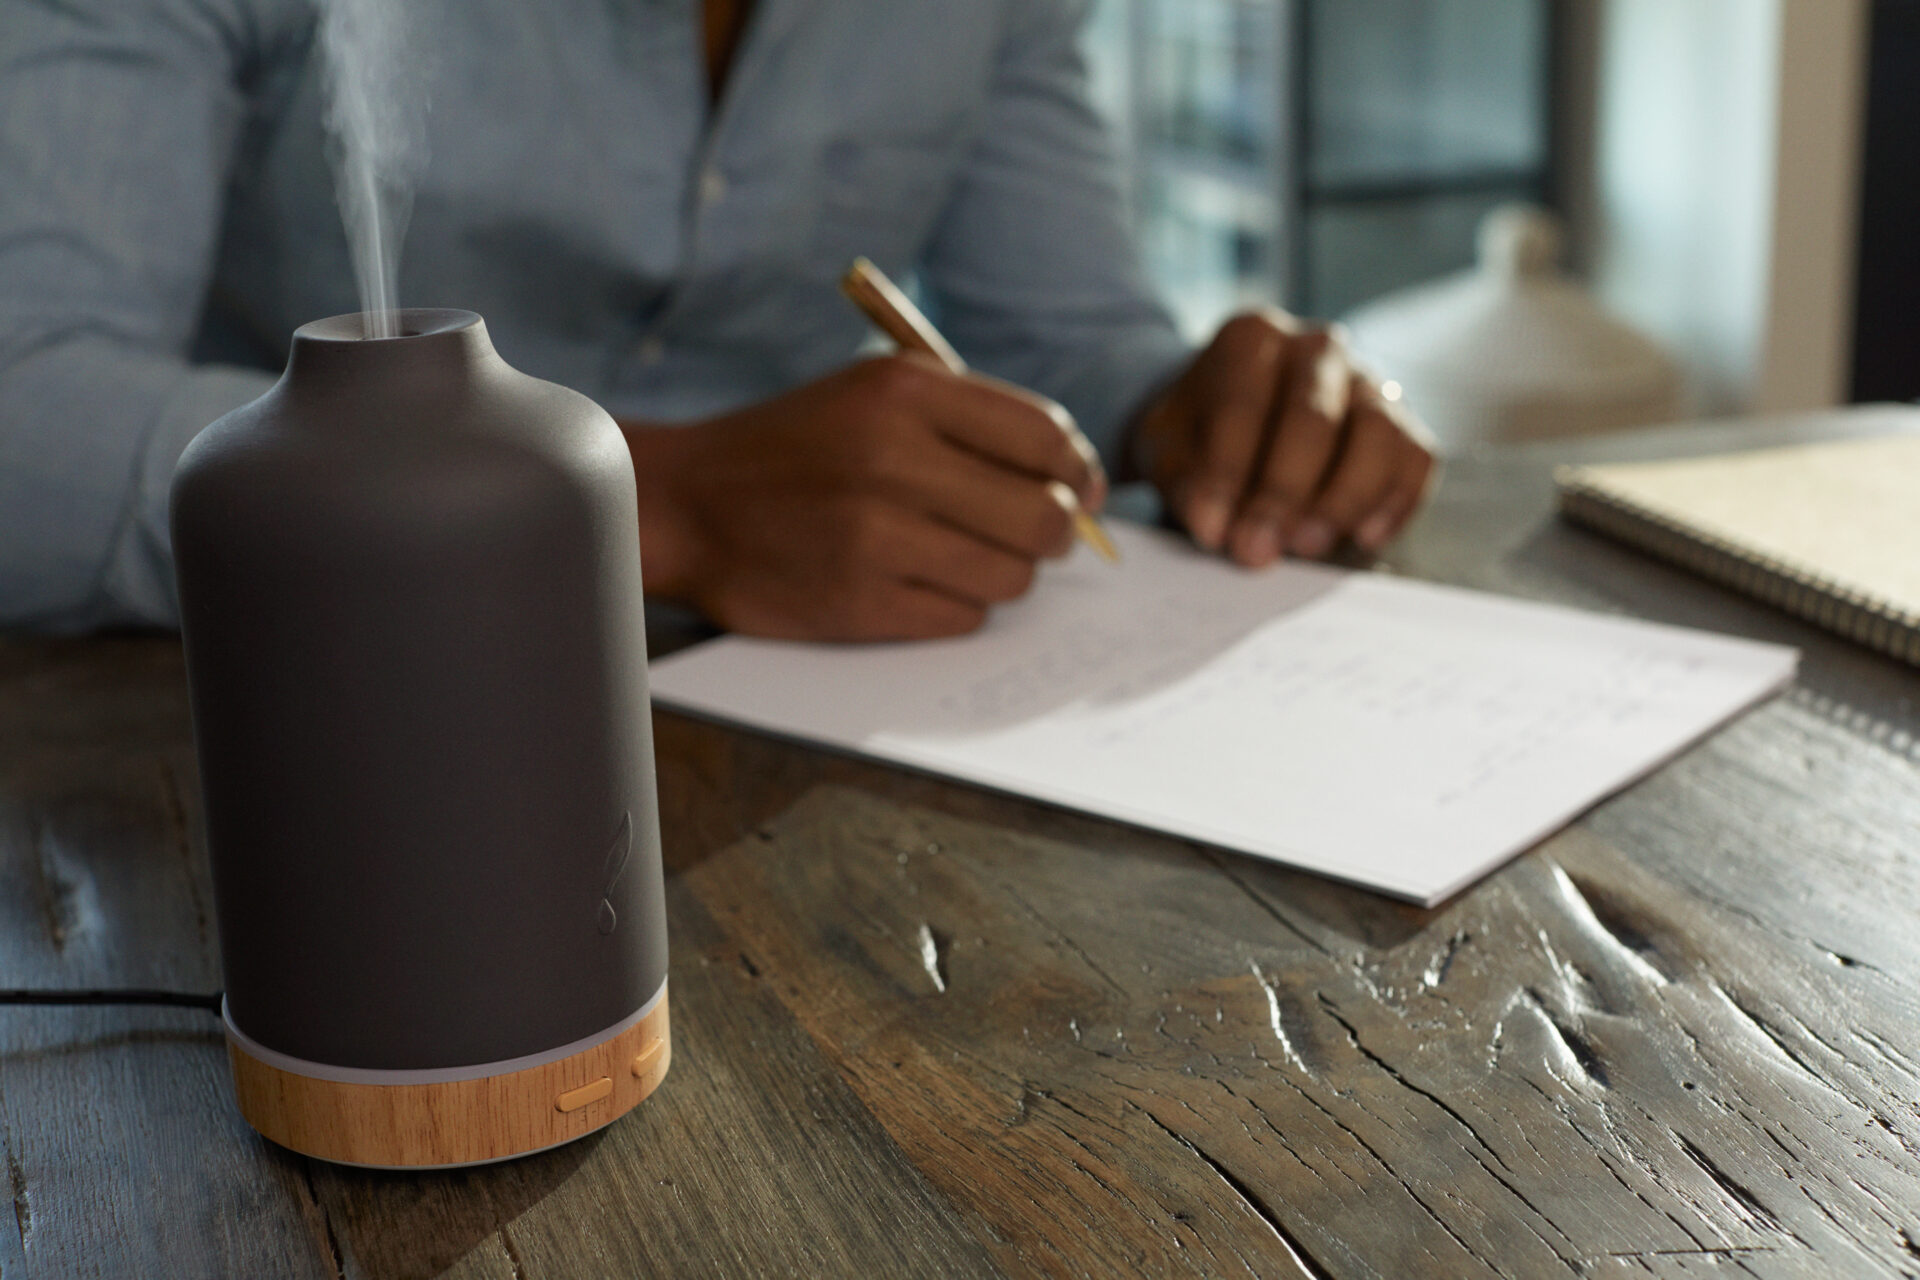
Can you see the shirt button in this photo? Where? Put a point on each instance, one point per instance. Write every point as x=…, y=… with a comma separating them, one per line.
x=713, y=187
x=651, y=351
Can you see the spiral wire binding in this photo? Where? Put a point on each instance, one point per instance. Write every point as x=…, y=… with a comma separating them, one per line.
x=1799, y=589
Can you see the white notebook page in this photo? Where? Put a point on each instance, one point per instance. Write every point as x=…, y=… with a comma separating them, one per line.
x=1395, y=734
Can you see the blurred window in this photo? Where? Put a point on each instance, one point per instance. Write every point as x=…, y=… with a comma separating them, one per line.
x=1318, y=153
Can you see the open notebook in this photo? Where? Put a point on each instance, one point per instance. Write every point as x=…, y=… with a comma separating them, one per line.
x=1827, y=531
x=1396, y=734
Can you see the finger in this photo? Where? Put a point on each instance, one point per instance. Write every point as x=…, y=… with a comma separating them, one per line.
x=1094, y=495
x=1402, y=499
x=956, y=564
x=1097, y=486
x=1413, y=475
x=1236, y=383
x=1164, y=446
x=896, y=610
x=1010, y=426
x=1365, y=470
x=992, y=503
x=907, y=577
x=1306, y=434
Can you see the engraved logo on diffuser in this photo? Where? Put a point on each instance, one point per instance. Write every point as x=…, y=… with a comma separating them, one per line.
x=616, y=863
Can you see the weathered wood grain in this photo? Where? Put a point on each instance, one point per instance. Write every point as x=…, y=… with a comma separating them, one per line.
x=924, y=1030
x=125, y=1156
x=753, y=1159
x=1578, y=1066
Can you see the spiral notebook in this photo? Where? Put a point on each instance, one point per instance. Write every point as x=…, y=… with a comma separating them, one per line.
x=1830, y=531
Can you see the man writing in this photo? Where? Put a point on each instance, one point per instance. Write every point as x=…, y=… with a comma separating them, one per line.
x=651, y=201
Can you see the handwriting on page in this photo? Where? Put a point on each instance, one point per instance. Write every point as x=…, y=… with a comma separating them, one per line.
x=1403, y=735
x=1111, y=661
x=1174, y=666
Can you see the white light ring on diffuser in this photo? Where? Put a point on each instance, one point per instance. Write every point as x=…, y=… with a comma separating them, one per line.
x=429, y=1075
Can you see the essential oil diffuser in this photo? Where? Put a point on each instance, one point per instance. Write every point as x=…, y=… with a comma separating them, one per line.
x=410, y=593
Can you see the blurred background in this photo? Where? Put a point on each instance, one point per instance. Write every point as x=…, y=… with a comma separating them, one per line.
x=1732, y=180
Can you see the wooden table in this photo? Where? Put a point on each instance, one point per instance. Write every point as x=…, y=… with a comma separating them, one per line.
x=1681, y=1038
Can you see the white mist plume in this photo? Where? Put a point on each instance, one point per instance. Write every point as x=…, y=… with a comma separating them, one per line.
x=377, y=113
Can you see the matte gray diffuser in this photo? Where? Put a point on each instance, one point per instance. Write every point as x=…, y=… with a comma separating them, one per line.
x=410, y=592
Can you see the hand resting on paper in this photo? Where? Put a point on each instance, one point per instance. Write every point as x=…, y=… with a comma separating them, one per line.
x=1271, y=442
x=889, y=500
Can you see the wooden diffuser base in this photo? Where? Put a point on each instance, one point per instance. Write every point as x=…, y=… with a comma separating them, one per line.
x=419, y=1126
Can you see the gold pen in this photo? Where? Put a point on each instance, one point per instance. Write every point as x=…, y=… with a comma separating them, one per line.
x=893, y=311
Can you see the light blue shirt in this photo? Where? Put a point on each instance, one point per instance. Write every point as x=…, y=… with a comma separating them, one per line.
x=167, y=219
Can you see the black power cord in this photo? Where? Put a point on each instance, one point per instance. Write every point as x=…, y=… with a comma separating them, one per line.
x=116, y=995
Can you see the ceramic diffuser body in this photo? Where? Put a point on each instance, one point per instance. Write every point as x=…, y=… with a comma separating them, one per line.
x=410, y=594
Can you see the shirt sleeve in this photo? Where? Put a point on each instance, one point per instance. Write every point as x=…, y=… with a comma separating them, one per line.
x=1033, y=266
x=118, y=124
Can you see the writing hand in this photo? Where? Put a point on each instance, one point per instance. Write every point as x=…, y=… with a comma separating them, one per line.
x=1271, y=442
x=890, y=500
